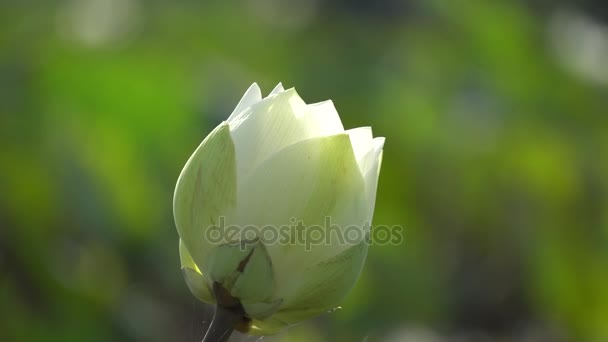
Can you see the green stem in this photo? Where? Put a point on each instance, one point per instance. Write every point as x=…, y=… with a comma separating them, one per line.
x=223, y=324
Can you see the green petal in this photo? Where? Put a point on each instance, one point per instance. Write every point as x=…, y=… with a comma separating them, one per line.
x=205, y=190
x=256, y=282
x=244, y=269
x=324, y=285
x=266, y=327
x=262, y=310
x=198, y=284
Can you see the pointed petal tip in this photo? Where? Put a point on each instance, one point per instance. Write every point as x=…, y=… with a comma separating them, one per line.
x=254, y=87
x=323, y=103
x=366, y=129
x=252, y=95
x=291, y=93
x=277, y=89
x=379, y=143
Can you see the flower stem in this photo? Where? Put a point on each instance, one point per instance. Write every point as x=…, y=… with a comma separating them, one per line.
x=223, y=324
x=229, y=315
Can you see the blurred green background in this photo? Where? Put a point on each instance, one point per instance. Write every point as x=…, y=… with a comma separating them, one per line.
x=496, y=160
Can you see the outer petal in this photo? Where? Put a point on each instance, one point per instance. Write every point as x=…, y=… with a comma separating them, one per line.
x=198, y=284
x=325, y=285
x=361, y=139
x=252, y=95
x=371, y=172
x=205, y=190
x=308, y=181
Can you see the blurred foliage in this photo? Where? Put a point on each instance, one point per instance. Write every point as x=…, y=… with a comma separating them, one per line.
x=496, y=159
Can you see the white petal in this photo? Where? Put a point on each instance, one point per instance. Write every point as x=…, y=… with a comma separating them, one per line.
x=371, y=173
x=277, y=122
x=368, y=159
x=251, y=96
x=278, y=89
x=308, y=181
x=303, y=180
x=267, y=127
x=323, y=118
x=361, y=139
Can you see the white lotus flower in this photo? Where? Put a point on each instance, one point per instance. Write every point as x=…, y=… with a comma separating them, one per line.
x=276, y=161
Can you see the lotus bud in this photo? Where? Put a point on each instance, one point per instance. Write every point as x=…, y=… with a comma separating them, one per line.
x=276, y=168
